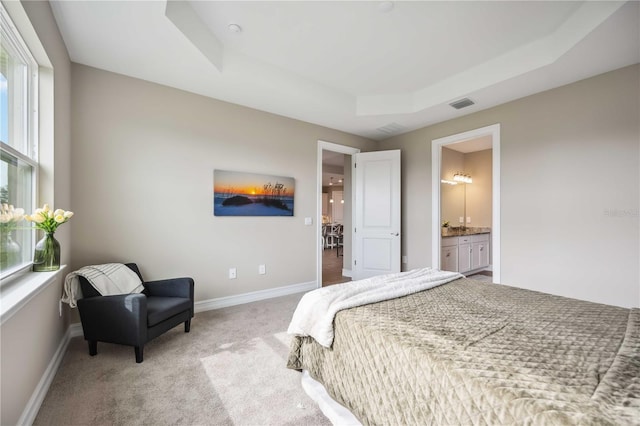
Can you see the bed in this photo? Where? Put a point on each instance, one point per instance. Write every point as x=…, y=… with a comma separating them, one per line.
x=467, y=352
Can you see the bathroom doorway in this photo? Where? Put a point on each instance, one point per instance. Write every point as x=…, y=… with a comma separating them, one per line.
x=478, y=147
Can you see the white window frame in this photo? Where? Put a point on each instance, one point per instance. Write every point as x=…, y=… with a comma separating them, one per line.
x=27, y=152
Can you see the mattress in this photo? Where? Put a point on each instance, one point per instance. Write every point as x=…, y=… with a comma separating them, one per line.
x=467, y=352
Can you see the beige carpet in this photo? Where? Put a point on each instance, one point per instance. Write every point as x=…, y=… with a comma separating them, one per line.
x=230, y=370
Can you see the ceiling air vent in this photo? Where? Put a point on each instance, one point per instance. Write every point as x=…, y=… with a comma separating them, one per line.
x=391, y=129
x=462, y=103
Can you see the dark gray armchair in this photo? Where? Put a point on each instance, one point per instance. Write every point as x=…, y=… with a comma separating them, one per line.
x=135, y=319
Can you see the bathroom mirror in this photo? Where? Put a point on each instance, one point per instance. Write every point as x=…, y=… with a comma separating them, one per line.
x=452, y=203
x=452, y=197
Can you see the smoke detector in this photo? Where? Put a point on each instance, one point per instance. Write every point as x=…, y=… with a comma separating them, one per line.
x=385, y=6
x=234, y=28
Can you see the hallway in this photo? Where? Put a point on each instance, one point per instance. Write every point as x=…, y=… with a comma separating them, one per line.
x=332, y=268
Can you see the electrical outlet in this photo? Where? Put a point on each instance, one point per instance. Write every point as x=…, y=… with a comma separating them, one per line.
x=233, y=273
x=468, y=219
x=308, y=221
x=262, y=269
x=461, y=219
x=404, y=259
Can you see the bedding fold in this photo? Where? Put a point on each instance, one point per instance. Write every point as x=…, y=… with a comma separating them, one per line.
x=316, y=310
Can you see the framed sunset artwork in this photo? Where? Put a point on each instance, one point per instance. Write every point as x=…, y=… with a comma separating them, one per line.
x=250, y=194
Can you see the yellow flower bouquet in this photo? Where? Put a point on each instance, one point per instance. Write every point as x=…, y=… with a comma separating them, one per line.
x=47, y=219
x=46, y=255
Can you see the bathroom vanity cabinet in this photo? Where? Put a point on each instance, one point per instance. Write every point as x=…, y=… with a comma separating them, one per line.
x=465, y=253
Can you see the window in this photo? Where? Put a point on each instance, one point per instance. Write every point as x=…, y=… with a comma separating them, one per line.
x=18, y=144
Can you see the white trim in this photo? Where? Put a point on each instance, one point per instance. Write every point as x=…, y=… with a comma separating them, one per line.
x=436, y=156
x=23, y=24
x=254, y=296
x=75, y=330
x=347, y=273
x=343, y=149
x=20, y=290
x=495, y=208
x=40, y=392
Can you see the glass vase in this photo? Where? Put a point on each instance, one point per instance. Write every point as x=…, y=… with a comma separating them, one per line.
x=46, y=256
x=10, y=251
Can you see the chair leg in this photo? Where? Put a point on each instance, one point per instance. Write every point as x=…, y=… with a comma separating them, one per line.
x=187, y=326
x=93, y=347
x=138, y=350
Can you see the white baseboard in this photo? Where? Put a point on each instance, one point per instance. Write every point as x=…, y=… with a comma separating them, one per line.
x=75, y=330
x=347, y=273
x=254, y=296
x=33, y=405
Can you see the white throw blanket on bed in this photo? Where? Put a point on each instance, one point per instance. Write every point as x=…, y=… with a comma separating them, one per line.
x=108, y=279
x=316, y=310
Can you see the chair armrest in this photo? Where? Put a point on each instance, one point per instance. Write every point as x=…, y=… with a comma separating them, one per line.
x=118, y=319
x=174, y=287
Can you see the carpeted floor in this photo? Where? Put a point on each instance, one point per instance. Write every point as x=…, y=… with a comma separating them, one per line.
x=229, y=370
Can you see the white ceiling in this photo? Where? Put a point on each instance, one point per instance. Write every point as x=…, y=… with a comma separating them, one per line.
x=350, y=65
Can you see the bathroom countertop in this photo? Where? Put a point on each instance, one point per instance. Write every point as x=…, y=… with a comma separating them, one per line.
x=458, y=232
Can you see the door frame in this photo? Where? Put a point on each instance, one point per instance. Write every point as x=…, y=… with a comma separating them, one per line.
x=436, y=163
x=342, y=149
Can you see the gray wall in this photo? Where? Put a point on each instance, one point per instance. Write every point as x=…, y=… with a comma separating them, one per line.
x=31, y=337
x=569, y=188
x=143, y=159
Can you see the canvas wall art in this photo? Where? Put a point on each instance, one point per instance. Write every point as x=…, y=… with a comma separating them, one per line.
x=250, y=194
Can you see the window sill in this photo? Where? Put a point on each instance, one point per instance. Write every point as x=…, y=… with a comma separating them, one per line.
x=17, y=293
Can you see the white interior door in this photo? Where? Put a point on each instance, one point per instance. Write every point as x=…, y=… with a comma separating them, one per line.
x=377, y=213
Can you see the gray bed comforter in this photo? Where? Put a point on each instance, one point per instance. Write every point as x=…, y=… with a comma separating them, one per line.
x=474, y=353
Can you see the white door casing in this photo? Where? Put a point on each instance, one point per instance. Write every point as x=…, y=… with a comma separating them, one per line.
x=377, y=213
x=436, y=155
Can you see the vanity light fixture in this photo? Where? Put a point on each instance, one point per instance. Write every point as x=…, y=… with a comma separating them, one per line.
x=461, y=177
x=448, y=182
x=331, y=200
x=331, y=182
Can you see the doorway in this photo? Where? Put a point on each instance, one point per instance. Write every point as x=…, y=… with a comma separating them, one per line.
x=489, y=138
x=335, y=214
